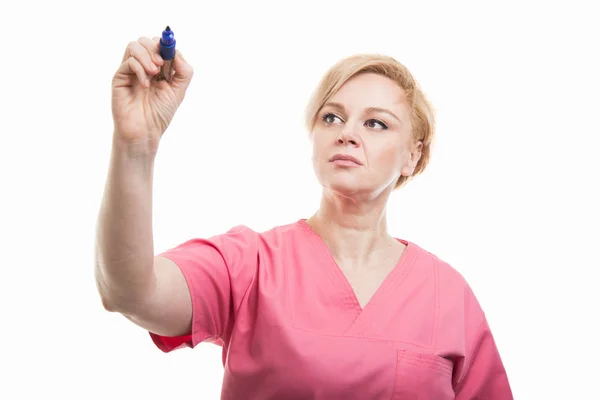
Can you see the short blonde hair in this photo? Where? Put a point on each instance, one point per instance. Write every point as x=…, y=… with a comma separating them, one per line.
x=422, y=114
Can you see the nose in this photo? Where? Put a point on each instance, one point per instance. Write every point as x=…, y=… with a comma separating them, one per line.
x=348, y=136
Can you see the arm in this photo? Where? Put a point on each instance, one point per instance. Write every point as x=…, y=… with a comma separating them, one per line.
x=149, y=291
x=484, y=376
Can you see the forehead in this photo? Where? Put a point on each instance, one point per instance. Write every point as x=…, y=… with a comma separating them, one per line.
x=371, y=90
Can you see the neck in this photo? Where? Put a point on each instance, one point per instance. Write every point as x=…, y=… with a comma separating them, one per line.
x=352, y=230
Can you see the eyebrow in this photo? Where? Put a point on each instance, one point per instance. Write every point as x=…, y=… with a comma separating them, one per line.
x=368, y=110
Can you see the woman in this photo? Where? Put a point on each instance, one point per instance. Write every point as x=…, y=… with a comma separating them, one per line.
x=331, y=307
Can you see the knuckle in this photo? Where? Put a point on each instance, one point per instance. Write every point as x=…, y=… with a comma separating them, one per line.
x=132, y=63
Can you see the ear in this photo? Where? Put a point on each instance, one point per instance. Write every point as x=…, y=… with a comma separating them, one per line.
x=415, y=156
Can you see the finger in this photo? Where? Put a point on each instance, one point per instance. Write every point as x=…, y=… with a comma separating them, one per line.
x=129, y=69
x=139, y=52
x=183, y=71
x=178, y=54
x=153, y=47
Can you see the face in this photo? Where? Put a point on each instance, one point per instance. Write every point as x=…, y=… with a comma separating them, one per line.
x=362, y=141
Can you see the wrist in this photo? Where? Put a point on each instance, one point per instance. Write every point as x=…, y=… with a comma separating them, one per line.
x=142, y=150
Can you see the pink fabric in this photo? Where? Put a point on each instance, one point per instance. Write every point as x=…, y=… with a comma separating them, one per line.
x=291, y=326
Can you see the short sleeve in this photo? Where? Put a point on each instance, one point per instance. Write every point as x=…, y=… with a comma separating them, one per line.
x=485, y=376
x=218, y=272
x=481, y=373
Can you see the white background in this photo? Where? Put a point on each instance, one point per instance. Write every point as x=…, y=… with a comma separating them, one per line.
x=510, y=198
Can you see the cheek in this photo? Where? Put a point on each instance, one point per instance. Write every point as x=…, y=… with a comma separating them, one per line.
x=315, y=150
x=390, y=157
x=317, y=145
x=316, y=153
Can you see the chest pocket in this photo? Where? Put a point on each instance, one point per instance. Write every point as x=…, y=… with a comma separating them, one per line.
x=421, y=376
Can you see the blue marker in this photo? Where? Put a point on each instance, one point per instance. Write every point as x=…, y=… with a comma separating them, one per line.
x=167, y=52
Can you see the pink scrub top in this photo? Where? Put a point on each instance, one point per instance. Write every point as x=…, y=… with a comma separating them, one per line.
x=291, y=327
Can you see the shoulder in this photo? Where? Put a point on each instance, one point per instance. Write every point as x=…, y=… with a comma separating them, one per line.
x=446, y=272
x=241, y=238
x=272, y=237
x=273, y=234
x=451, y=284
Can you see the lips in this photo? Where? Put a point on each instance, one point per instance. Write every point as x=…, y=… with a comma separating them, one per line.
x=346, y=158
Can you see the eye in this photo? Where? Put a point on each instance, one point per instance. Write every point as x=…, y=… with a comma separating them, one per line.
x=372, y=123
x=329, y=118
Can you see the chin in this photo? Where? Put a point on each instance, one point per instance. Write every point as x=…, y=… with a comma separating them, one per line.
x=351, y=187
x=345, y=183
x=346, y=187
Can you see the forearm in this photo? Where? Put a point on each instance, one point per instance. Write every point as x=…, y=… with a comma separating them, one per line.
x=124, y=255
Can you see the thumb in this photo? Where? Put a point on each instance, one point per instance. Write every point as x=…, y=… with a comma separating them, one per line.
x=183, y=71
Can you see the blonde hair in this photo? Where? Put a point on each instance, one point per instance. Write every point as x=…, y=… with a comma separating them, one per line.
x=422, y=114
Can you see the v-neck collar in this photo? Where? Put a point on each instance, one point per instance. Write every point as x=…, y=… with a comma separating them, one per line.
x=375, y=307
